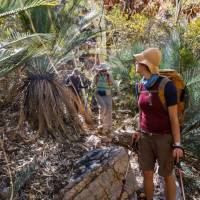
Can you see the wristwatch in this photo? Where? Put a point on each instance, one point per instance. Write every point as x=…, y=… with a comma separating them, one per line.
x=177, y=145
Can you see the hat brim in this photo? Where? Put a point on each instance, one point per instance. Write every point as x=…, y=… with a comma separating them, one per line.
x=140, y=59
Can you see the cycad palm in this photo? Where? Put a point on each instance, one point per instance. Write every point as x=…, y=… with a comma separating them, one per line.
x=16, y=40
x=46, y=103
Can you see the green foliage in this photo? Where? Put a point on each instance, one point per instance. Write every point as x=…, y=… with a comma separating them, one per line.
x=188, y=59
x=123, y=70
x=177, y=54
x=39, y=20
x=192, y=79
x=190, y=133
x=10, y=60
x=25, y=39
x=41, y=84
x=40, y=66
x=11, y=7
x=192, y=34
x=122, y=62
x=72, y=33
x=13, y=55
x=127, y=28
x=171, y=58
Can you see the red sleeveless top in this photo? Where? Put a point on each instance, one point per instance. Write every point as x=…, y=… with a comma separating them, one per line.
x=153, y=117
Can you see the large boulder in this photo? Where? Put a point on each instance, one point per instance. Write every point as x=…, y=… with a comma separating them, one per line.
x=99, y=176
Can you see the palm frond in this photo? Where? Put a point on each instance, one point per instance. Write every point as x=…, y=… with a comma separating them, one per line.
x=22, y=38
x=40, y=65
x=192, y=79
x=171, y=56
x=71, y=9
x=191, y=123
x=39, y=20
x=13, y=7
x=137, y=47
x=11, y=60
x=68, y=15
x=80, y=38
x=190, y=133
x=74, y=38
x=122, y=60
x=120, y=72
x=85, y=21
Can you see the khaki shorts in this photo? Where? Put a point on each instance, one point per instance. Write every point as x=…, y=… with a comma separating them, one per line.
x=156, y=147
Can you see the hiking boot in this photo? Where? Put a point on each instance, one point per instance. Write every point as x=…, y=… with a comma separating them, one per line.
x=141, y=195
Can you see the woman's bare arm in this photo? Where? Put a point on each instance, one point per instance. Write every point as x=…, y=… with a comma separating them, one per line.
x=173, y=115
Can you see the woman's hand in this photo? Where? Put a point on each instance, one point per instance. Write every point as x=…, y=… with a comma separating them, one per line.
x=136, y=136
x=177, y=153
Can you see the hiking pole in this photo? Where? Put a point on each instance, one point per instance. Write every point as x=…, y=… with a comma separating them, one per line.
x=180, y=173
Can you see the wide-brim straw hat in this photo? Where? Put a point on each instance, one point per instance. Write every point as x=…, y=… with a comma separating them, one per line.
x=151, y=57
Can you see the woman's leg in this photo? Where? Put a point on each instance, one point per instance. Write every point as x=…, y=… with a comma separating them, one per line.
x=170, y=187
x=166, y=164
x=148, y=184
x=108, y=114
x=102, y=108
x=147, y=159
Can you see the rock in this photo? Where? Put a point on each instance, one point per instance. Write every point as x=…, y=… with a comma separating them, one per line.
x=99, y=176
x=93, y=141
x=122, y=138
x=123, y=135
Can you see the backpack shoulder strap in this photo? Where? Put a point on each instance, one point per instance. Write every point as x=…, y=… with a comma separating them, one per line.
x=161, y=90
x=138, y=89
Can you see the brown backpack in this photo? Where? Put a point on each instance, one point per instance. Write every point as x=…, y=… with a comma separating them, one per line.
x=175, y=77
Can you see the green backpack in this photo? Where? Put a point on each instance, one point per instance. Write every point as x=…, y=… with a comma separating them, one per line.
x=103, y=84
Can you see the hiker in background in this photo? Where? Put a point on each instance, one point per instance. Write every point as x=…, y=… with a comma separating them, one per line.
x=74, y=80
x=158, y=134
x=103, y=83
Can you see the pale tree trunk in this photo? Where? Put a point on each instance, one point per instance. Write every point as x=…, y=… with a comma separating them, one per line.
x=178, y=10
x=101, y=50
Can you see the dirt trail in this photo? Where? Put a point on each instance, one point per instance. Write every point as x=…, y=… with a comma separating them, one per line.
x=40, y=169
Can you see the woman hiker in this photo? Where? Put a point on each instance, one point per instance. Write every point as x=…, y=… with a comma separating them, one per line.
x=103, y=84
x=159, y=129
